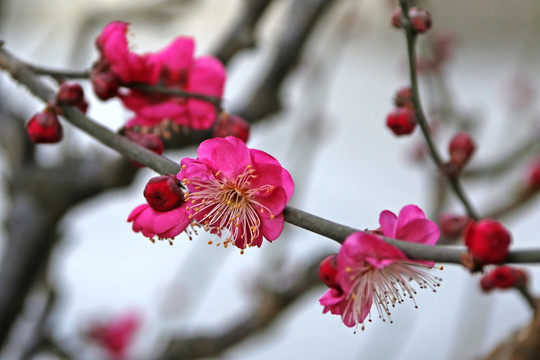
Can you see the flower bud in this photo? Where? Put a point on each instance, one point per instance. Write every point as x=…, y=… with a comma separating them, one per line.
x=452, y=225
x=105, y=84
x=70, y=93
x=533, y=175
x=396, y=18
x=328, y=270
x=503, y=277
x=401, y=121
x=149, y=141
x=231, y=125
x=403, y=98
x=487, y=240
x=83, y=106
x=44, y=127
x=420, y=19
x=164, y=193
x=461, y=148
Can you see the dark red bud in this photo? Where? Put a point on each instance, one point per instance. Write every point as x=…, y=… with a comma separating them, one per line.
x=420, y=19
x=403, y=98
x=503, y=277
x=231, y=125
x=164, y=193
x=401, y=121
x=487, y=240
x=328, y=271
x=533, y=175
x=452, y=225
x=44, y=127
x=105, y=84
x=396, y=18
x=83, y=106
x=70, y=93
x=149, y=141
x=461, y=148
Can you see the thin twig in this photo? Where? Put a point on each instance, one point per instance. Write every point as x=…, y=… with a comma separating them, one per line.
x=455, y=184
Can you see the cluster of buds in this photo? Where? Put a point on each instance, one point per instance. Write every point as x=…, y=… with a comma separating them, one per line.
x=44, y=127
x=402, y=120
x=488, y=241
x=420, y=19
x=503, y=277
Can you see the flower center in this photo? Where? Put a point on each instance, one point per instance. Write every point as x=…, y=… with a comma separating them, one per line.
x=223, y=205
x=386, y=287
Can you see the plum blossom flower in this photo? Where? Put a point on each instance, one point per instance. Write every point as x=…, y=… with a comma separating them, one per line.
x=116, y=335
x=163, y=224
x=236, y=192
x=174, y=67
x=371, y=271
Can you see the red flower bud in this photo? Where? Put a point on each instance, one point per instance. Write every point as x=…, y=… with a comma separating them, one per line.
x=70, y=94
x=44, y=127
x=401, y=121
x=461, y=148
x=396, y=19
x=83, y=106
x=503, y=277
x=328, y=270
x=487, y=240
x=231, y=125
x=105, y=84
x=149, y=141
x=164, y=193
x=452, y=225
x=533, y=174
x=403, y=98
x=420, y=19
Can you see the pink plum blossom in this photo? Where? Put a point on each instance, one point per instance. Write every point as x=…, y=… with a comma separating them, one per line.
x=174, y=67
x=116, y=335
x=236, y=191
x=369, y=270
x=163, y=224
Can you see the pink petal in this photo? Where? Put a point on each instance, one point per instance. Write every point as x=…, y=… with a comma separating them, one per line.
x=388, y=221
x=174, y=60
x=274, y=202
x=409, y=213
x=268, y=172
x=422, y=231
x=230, y=155
x=272, y=228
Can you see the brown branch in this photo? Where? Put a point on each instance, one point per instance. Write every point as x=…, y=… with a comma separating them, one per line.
x=241, y=35
x=303, y=17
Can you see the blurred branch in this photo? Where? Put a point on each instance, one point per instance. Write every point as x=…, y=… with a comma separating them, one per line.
x=271, y=305
x=241, y=35
x=302, y=19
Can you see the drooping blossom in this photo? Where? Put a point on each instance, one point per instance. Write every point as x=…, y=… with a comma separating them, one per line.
x=236, y=192
x=174, y=67
x=116, y=335
x=371, y=271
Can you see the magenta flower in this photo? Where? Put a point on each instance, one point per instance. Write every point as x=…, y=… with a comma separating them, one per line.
x=174, y=67
x=236, y=192
x=116, y=335
x=163, y=224
x=372, y=271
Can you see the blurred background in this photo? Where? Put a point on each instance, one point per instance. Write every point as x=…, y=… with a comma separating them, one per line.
x=330, y=134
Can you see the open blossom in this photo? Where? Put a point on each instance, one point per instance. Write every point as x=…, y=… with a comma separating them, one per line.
x=371, y=271
x=174, y=67
x=236, y=192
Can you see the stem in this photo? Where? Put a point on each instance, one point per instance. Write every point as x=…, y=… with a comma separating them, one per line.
x=455, y=184
x=60, y=74
x=440, y=253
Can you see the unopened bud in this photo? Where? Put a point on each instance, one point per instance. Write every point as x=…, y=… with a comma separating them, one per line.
x=403, y=98
x=149, y=141
x=503, y=277
x=231, y=125
x=328, y=270
x=488, y=241
x=164, y=193
x=105, y=84
x=461, y=148
x=70, y=93
x=401, y=121
x=420, y=19
x=44, y=127
x=452, y=225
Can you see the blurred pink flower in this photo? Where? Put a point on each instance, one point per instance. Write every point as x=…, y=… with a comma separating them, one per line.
x=373, y=271
x=116, y=335
x=174, y=67
x=236, y=191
